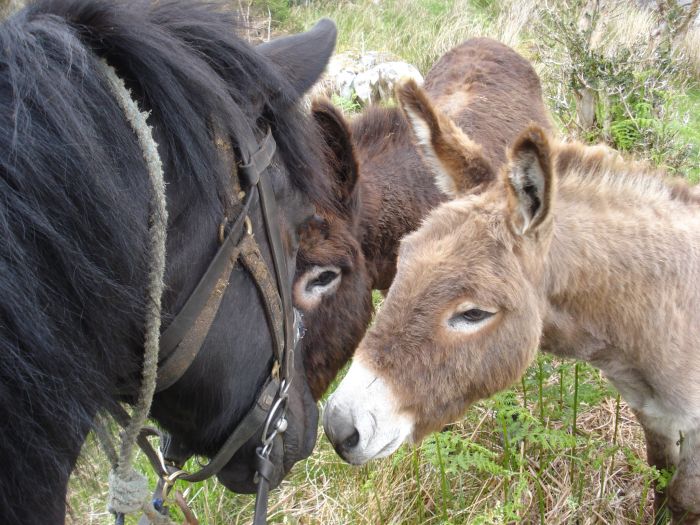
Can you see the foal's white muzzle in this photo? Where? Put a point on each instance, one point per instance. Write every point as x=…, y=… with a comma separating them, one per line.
x=362, y=419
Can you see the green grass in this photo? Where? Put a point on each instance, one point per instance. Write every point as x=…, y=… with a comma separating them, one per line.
x=688, y=128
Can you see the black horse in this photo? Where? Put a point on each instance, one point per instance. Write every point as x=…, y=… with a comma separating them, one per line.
x=74, y=210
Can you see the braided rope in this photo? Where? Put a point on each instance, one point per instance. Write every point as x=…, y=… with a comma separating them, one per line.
x=128, y=489
x=99, y=427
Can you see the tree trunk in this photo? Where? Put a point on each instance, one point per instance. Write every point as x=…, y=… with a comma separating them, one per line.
x=585, y=107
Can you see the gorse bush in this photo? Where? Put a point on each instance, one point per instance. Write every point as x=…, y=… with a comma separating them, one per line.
x=619, y=72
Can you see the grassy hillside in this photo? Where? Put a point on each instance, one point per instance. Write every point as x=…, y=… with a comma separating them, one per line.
x=560, y=447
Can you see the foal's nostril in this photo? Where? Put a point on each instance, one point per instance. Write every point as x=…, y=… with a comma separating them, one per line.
x=340, y=428
x=352, y=440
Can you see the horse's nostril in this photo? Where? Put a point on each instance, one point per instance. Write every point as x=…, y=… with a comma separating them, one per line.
x=352, y=440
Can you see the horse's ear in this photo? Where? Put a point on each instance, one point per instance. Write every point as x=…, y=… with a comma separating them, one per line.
x=302, y=57
x=340, y=152
x=530, y=180
x=457, y=162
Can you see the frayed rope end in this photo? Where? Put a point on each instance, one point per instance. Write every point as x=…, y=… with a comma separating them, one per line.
x=127, y=493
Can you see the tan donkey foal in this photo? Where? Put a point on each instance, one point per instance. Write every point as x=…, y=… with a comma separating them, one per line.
x=572, y=250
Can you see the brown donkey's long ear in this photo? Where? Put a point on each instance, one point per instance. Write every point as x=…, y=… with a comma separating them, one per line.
x=530, y=180
x=458, y=163
x=339, y=152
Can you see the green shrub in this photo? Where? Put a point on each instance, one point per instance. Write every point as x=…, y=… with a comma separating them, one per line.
x=278, y=10
x=623, y=77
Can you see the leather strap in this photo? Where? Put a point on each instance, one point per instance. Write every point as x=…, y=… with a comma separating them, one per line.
x=250, y=424
x=264, y=468
x=269, y=208
x=178, y=328
x=182, y=340
x=253, y=261
x=123, y=418
x=249, y=173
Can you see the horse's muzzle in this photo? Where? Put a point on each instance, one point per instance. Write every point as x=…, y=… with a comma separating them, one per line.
x=294, y=445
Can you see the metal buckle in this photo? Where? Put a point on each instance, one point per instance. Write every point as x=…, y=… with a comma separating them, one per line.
x=280, y=423
x=171, y=478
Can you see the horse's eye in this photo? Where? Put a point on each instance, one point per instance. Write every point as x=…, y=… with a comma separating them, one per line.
x=324, y=279
x=314, y=223
x=475, y=315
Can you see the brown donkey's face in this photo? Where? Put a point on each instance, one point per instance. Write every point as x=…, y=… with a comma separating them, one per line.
x=331, y=286
x=462, y=319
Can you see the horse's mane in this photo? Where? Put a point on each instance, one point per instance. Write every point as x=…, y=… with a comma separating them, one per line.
x=600, y=170
x=73, y=214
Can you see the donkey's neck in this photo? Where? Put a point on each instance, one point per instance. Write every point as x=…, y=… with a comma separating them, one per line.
x=623, y=252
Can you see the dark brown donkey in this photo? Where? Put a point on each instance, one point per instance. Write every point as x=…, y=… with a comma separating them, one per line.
x=385, y=188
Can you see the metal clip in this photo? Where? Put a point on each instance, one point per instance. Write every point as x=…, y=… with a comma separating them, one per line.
x=171, y=478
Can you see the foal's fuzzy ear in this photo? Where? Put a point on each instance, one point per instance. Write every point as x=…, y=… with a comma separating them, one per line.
x=457, y=162
x=530, y=180
x=340, y=152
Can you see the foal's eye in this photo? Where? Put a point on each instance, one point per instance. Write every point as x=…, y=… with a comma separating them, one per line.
x=324, y=279
x=469, y=319
x=475, y=315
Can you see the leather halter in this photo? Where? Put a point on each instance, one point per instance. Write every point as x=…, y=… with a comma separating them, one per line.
x=184, y=337
x=177, y=353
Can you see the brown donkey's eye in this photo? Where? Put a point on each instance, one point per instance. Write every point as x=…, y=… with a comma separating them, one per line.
x=324, y=279
x=475, y=315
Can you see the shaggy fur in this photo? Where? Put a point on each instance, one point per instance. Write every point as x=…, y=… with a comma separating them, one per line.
x=575, y=251
x=489, y=92
x=74, y=220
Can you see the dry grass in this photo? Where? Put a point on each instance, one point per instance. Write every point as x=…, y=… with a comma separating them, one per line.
x=689, y=47
x=417, y=31
x=624, y=26
x=474, y=479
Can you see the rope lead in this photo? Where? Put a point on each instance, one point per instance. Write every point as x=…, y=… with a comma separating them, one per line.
x=128, y=489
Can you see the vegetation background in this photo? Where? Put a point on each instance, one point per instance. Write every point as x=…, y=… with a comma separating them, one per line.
x=560, y=447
